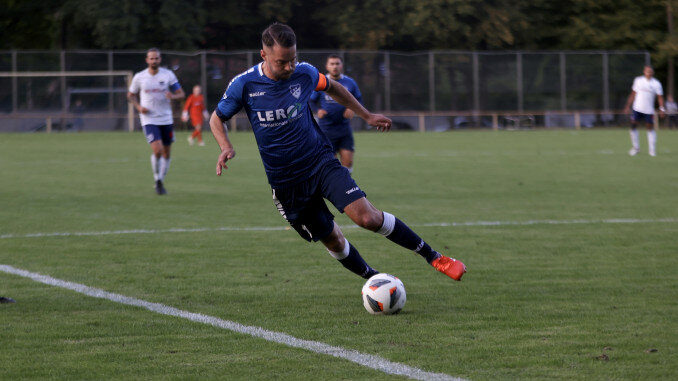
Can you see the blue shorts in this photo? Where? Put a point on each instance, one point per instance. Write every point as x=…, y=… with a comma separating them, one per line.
x=343, y=142
x=154, y=132
x=303, y=204
x=639, y=117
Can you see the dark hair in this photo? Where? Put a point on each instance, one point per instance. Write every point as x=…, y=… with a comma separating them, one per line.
x=280, y=34
x=334, y=56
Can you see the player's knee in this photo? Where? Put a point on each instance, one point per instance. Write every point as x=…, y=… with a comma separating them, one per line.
x=370, y=221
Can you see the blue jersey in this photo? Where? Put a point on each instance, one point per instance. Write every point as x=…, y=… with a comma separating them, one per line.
x=334, y=124
x=291, y=145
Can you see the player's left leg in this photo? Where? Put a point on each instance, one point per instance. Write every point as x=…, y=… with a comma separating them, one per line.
x=197, y=133
x=651, y=139
x=167, y=133
x=365, y=215
x=342, y=191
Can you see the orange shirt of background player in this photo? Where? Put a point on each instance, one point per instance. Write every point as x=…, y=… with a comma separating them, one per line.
x=195, y=105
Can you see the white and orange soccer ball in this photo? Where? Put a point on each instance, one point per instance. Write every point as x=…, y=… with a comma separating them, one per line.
x=384, y=294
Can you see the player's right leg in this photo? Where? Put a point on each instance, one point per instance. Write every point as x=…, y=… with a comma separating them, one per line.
x=346, y=147
x=307, y=213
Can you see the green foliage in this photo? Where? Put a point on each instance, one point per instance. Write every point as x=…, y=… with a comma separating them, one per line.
x=368, y=24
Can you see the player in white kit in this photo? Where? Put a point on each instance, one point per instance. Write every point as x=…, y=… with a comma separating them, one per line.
x=645, y=89
x=155, y=88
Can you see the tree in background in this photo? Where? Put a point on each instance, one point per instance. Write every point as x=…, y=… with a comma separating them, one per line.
x=348, y=24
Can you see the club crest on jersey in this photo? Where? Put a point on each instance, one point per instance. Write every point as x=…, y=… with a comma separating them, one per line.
x=295, y=90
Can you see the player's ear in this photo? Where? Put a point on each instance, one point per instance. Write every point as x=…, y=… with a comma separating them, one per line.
x=263, y=54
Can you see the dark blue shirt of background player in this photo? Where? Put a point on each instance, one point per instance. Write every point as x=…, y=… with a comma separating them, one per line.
x=335, y=124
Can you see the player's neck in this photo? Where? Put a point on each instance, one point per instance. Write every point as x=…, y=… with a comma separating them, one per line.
x=153, y=71
x=335, y=77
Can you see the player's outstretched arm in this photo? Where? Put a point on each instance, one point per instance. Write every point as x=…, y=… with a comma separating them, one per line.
x=221, y=135
x=346, y=99
x=629, y=102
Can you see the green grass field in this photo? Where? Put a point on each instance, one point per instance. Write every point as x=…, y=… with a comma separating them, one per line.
x=577, y=278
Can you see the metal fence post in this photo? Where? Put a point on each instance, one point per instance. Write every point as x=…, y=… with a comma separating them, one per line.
x=203, y=78
x=431, y=82
x=563, y=79
x=110, y=82
x=606, y=84
x=15, y=84
x=476, y=83
x=519, y=80
x=62, y=83
x=387, y=80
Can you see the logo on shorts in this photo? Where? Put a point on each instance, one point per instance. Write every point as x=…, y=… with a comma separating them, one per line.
x=352, y=190
x=296, y=90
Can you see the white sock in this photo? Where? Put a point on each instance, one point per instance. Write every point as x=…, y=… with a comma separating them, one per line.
x=341, y=254
x=388, y=225
x=634, y=138
x=154, y=167
x=651, y=140
x=164, y=167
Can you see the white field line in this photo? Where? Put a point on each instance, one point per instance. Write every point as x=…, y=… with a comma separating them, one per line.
x=366, y=360
x=278, y=228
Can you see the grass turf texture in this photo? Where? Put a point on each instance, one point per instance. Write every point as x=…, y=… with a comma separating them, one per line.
x=539, y=301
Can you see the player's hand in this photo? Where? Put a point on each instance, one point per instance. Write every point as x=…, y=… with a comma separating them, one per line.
x=184, y=116
x=348, y=113
x=379, y=121
x=168, y=95
x=321, y=113
x=206, y=115
x=226, y=155
x=143, y=110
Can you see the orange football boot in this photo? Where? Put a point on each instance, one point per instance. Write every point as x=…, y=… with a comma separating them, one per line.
x=449, y=266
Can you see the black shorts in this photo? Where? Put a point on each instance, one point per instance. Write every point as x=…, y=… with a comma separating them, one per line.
x=303, y=204
x=343, y=142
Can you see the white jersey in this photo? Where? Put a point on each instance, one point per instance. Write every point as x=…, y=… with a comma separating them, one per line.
x=151, y=89
x=646, y=90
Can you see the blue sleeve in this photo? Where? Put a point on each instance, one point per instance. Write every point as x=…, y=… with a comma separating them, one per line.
x=319, y=84
x=232, y=101
x=175, y=87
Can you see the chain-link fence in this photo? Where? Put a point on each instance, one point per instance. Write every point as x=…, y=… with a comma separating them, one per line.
x=462, y=88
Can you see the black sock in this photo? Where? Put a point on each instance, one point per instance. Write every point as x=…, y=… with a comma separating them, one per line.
x=357, y=264
x=405, y=237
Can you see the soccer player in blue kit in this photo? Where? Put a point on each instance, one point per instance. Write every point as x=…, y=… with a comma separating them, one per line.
x=298, y=158
x=335, y=119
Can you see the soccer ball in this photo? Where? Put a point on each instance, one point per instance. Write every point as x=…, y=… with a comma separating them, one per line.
x=384, y=294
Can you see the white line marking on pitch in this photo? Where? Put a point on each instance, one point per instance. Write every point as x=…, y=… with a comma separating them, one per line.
x=278, y=228
x=370, y=361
